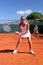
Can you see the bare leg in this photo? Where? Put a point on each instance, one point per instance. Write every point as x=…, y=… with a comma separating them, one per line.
x=37, y=35
x=33, y=35
x=30, y=45
x=18, y=44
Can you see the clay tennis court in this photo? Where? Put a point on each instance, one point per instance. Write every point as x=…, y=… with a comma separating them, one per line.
x=8, y=43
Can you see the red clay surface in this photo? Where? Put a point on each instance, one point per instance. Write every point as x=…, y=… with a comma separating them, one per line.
x=8, y=43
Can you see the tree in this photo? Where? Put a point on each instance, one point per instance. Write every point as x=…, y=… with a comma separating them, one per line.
x=35, y=17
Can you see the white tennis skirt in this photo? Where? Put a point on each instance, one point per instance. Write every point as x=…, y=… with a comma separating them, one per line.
x=26, y=35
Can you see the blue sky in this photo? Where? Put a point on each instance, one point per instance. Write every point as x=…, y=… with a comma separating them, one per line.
x=14, y=9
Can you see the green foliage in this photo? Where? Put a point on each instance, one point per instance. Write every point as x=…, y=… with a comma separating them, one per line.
x=34, y=21
x=35, y=17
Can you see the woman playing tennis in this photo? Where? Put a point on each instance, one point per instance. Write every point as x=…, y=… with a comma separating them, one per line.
x=24, y=33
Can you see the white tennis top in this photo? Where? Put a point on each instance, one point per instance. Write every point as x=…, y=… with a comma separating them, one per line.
x=23, y=30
